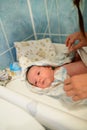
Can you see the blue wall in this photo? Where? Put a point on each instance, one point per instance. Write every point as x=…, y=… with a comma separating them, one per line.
x=35, y=19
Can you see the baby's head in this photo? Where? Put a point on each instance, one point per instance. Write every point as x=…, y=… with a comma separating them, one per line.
x=40, y=76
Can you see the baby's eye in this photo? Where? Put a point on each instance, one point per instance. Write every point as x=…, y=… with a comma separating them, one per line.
x=38, y=73
x=35, y=82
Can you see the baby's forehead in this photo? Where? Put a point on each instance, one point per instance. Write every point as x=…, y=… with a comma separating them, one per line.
x=32, y=71
x=34, y=68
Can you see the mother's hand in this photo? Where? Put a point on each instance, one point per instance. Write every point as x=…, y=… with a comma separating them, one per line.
x=76, y=87
x=72, y=38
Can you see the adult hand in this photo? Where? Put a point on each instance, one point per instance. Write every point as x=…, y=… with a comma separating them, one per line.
x=71, y=39
x=76, y=87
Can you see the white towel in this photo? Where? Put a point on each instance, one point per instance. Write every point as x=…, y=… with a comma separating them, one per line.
x=83, y=54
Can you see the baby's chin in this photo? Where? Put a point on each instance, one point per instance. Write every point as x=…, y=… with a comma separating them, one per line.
x=43, y=87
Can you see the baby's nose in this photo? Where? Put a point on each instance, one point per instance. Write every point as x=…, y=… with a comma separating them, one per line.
x=40, y=80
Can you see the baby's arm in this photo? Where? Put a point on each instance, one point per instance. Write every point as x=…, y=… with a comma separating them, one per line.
x=75, y=68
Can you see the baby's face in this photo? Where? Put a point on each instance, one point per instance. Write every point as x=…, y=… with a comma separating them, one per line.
x=41, y=77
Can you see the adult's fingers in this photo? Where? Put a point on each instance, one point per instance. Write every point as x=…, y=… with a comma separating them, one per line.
x=70, y=93
x=69, y=42
x=80, y=96
x=67, y=84
x=67, y=81
x=75, y=98
x=75, y=46
x=68, y=87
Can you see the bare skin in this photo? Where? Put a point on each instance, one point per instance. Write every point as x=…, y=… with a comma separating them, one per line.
x=40, y=76
x=76, y=87
x=75, y=68
x=70, y=40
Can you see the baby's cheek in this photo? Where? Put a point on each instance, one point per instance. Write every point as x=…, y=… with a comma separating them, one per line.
x=47, y=83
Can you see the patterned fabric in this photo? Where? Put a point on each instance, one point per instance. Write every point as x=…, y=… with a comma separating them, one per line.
x=35, y=50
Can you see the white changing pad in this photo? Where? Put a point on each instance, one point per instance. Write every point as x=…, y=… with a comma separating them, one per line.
x=60, y=114
x=15, y=118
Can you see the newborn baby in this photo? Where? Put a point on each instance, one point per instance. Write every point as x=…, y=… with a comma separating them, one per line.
x=49, y=80
x=43, y=76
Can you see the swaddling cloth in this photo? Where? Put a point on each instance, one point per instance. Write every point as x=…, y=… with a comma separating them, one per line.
x=52, y=90
x=56, y=89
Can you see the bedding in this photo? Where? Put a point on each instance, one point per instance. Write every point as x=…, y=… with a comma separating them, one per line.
x=13, y=117
x=40, y=106
x=61, y=57
x=35, y=49
x=55, y=92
